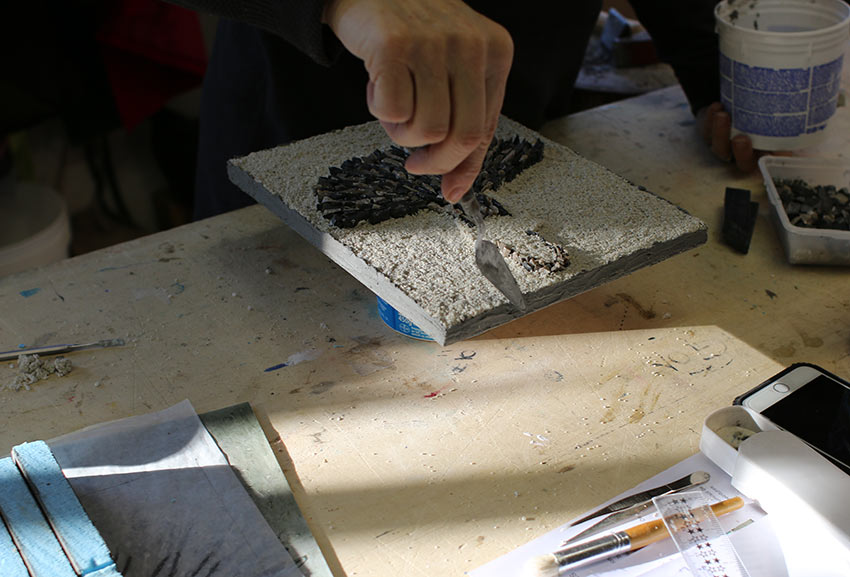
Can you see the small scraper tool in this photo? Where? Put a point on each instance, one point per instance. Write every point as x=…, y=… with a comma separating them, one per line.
x=490, y=261
x=59, y=349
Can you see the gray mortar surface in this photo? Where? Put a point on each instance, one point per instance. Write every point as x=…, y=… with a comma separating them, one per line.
x=424, y=264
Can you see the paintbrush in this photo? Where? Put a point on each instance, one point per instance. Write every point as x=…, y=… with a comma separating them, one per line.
x=59, y=349
x=598, y=548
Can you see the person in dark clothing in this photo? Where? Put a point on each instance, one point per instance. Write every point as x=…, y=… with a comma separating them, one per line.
x=436, y=73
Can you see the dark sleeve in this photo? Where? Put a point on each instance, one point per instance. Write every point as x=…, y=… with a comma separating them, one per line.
x=299, y=22
x=684, y=36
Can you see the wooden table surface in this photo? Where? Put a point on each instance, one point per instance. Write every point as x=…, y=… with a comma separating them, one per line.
x=411, y=458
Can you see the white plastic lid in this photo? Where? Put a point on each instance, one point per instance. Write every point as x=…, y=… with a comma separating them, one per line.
x=795, y=484
x=804, y=493
x=725, y=429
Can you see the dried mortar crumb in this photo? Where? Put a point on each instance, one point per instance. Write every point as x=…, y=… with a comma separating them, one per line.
x=62, y=366
x=32, y=368
x=598, y=216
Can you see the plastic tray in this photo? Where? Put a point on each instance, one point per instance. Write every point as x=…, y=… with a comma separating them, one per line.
x=807, y=245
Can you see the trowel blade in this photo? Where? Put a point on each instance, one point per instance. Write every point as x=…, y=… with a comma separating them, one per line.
x=492, y=265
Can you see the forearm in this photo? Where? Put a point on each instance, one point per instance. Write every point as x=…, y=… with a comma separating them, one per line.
x=299, y=22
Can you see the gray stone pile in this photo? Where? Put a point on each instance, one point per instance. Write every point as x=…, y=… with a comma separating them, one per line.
x=815, y=206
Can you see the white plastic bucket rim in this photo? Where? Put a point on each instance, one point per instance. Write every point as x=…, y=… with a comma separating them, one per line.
x=822, y=41
x=836, y=12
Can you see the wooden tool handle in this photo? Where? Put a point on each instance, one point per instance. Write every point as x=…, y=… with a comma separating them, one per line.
x=654, y=531
x=646, y=534
x=727, y=506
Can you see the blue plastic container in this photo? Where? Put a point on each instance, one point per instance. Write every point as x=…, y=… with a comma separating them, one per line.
x=400, y=323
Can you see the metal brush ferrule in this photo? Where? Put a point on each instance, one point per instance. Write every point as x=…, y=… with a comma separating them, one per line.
x=593, y=550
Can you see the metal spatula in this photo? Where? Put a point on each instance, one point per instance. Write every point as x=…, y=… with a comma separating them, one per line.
x=490, y=261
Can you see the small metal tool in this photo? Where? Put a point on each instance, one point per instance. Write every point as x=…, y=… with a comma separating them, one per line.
x=490, y=261
x=59, y=349
x=633, y=506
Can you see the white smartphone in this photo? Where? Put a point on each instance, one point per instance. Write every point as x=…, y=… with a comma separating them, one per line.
x=811, y=403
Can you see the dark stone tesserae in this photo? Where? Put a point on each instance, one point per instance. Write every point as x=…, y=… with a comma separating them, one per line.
x=376, y=187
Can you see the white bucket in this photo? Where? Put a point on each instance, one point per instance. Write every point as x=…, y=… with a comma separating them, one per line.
x=780, y=67
x=34, y=227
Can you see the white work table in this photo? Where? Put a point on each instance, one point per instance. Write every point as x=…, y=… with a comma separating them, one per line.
x=409, y=458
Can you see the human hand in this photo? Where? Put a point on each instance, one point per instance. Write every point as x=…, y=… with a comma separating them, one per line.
x=437, y=73
x=716, y=126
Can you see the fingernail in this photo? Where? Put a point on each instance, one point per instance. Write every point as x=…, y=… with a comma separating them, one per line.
x=453, y=196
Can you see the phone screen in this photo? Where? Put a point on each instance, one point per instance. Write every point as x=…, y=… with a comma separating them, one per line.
x=818, y=413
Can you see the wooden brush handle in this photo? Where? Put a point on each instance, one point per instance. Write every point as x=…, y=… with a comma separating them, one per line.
x=727, y=506
x=653, y=531
x=646, y=534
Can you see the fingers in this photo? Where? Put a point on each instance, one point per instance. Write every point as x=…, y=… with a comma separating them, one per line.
x=429, y=109
x=458, y=181
x=392, y=97
x=390, y=94
x=742, y=150
x=458, y=117
x=716, y=125
x=466, y=126
x=437, y=75
x=721, y=129
x=708, y=120
x=477, y=94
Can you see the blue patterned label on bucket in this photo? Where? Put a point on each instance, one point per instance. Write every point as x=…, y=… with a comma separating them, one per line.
x=783, y=102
